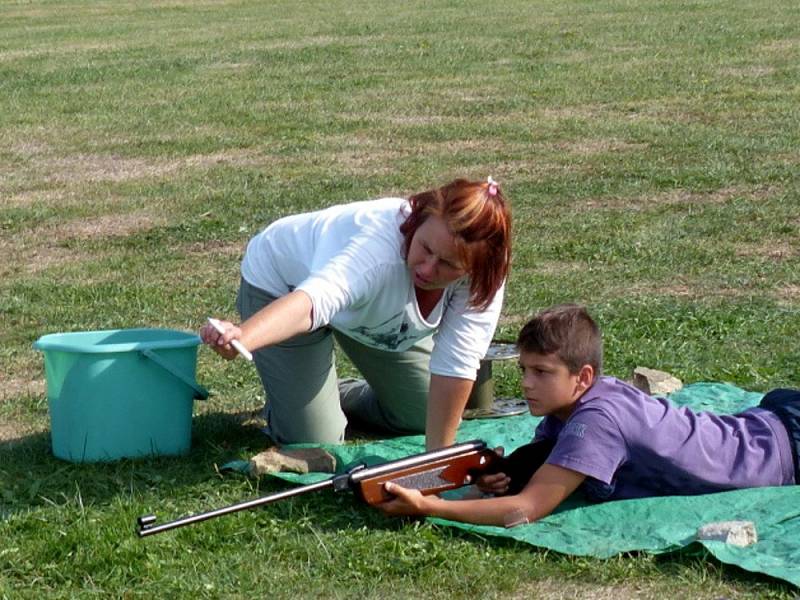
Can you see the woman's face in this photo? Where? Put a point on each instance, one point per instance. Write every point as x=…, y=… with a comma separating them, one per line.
x=433, y=256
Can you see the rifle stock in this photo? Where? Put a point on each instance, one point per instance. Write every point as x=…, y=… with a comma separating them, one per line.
x=430, y=473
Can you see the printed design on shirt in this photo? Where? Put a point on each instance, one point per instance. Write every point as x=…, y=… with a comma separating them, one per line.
x=388, y=335
x=575, y=429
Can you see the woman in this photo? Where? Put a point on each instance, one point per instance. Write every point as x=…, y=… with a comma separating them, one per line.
x=411, y=290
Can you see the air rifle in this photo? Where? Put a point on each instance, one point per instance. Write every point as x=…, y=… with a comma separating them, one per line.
x=430, y=473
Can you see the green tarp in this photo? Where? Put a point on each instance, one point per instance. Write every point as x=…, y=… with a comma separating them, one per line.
x=653, y=525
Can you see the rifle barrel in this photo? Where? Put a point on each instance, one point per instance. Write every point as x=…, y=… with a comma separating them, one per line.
x=146, y=523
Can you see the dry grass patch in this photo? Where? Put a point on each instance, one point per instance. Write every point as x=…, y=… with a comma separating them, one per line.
x=358, y=154
x=540, y=166
x=672, y=290
x=50, y=197
x=665, y=109
x=42, y=248
x=46, y=257
x=555, y=267
x=774, y=251
x=39, y=162
x=461, y=146
x=192, y=3
x=749, y=71
x=788, y=295
x=15, y=387
x=32, y=11
x=782, y=46
x=215, y=248
x=420, y=120
x=678, y=197
x=85, y=168
x=552, y=589
x=598, y=146
x=576, y=57
x=300, y=43
x=697, y=290
x=59, y=49
x=229, y=66
x=320, y=41
x=13, y=431
x=720, y=196
x=30, y=257
x=788, y=158
x=587, y=112
x=477, y=91
x=29, y=148
x=103, y=226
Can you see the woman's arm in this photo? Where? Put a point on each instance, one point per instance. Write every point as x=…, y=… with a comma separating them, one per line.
x=446, y=401
x=280, y=320
x=548, y=488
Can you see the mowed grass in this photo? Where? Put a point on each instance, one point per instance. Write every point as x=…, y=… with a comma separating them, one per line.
x=650, y=150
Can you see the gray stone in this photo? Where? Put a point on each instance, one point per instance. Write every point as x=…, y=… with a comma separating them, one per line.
x=736, y=533
x=299, y=460
x=655, y=383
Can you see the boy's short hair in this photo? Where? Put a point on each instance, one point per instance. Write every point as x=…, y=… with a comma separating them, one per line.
x=569, y=332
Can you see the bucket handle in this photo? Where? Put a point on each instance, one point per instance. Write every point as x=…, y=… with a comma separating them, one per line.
x=200, y=393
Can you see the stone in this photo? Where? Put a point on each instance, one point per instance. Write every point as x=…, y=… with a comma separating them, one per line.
x=735, y=533
x=299, y=460
x=655, y=383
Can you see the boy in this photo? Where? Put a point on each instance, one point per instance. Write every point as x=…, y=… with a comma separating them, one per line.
x=616, y=441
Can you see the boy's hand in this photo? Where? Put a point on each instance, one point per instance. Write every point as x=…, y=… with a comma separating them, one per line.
x=219, y=342
x=495, y=483
x=406, y=502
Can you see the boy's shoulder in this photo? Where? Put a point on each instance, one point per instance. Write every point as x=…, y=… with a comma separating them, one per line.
x=616, y=401
x=611, y=404
x=607, y=388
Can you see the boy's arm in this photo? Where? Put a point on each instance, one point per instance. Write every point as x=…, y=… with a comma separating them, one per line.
x=548, y=487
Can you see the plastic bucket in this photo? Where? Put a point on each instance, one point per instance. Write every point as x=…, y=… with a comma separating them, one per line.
x=122, y=393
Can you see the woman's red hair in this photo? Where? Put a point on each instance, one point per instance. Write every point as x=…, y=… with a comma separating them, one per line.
x=481, y=225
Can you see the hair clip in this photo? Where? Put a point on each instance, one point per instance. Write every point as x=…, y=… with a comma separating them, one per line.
x=492, y=186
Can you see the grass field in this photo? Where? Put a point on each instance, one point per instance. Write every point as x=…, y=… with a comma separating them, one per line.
x=651, y=153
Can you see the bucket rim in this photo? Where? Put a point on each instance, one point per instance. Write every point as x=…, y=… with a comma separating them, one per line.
x=58, y=341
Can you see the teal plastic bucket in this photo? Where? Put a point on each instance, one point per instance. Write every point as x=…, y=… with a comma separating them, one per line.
x=123, y=393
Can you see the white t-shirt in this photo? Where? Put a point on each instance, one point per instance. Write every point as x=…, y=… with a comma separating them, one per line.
x=349, y=260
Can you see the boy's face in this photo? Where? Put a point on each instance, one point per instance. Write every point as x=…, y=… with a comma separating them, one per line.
x=549, y=387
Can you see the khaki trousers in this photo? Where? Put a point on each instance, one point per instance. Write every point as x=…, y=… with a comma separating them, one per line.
x=307, y=403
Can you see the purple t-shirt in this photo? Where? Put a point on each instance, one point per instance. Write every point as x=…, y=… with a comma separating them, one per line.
x=631, y=445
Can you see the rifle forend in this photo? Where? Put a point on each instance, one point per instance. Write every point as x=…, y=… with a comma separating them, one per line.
x=430, y=473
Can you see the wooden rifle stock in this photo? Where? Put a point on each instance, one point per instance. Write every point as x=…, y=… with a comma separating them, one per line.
x=430, y=473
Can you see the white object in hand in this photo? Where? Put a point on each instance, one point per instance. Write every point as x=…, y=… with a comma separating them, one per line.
x=235, y=343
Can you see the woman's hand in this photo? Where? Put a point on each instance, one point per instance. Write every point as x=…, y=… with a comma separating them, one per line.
x=406, y=502
x=219, y=342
